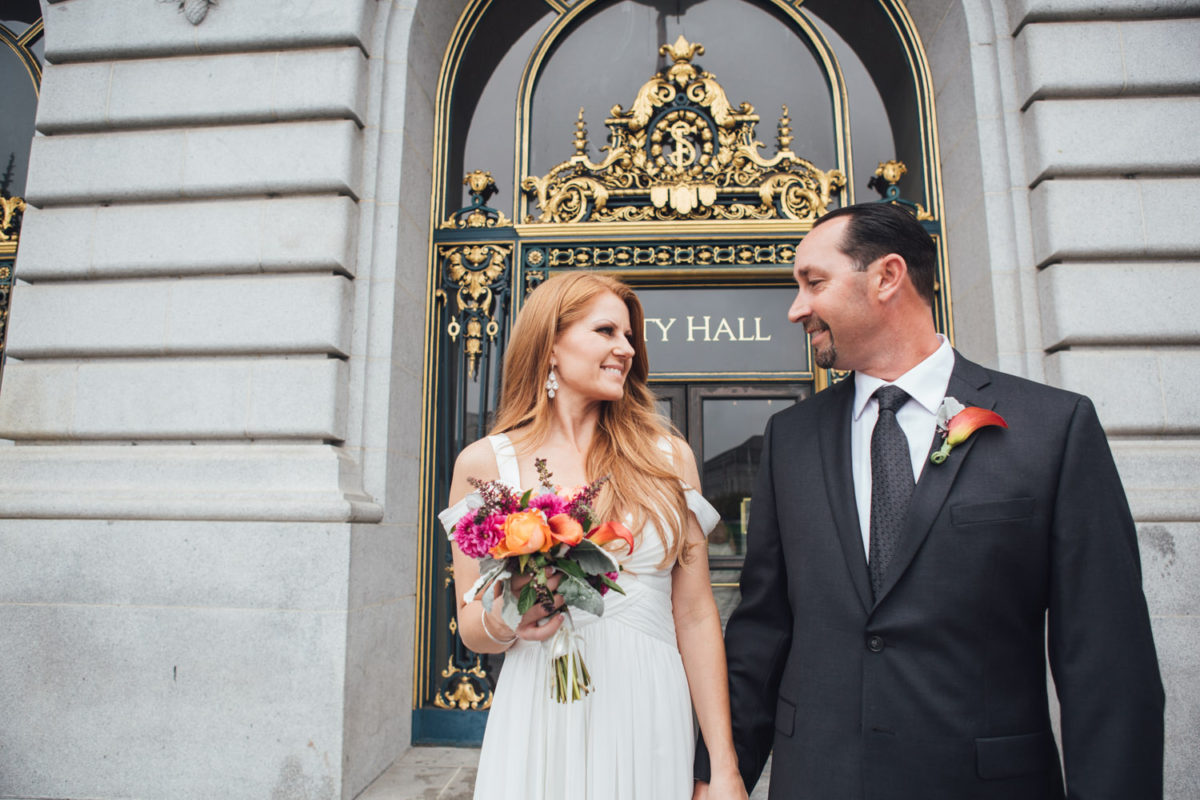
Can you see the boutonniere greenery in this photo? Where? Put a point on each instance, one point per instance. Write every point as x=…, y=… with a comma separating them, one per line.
x=956, y=423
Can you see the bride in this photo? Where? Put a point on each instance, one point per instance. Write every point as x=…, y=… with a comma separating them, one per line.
x=574, y=393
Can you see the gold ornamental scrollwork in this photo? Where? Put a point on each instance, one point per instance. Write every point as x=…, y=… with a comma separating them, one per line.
x=480, y=185
x=11, y=211
x=464, y=689
x=475, y=270
x=621, y=256
x=682, y=151
x=887, y=175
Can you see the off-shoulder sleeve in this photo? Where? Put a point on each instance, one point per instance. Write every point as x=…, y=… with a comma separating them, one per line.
x=706, y=515
x=450, y=517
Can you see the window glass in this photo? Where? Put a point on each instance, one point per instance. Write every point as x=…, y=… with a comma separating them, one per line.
x=483, y=114
x=20, y=97
x=614, y=51
x=731, y=453
x=732, y=450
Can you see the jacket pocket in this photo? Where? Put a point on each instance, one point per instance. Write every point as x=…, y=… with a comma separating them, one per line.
x=785, y=716
x=1010, y=756
x=1014, y=509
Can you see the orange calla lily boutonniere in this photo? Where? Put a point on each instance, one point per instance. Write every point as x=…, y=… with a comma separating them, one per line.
x=957, y=422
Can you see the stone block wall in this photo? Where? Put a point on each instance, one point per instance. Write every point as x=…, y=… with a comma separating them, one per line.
x=210, y=424
x=1072, y=178
x=1110, y=103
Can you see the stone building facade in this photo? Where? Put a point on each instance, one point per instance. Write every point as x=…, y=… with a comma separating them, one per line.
x=217, y=359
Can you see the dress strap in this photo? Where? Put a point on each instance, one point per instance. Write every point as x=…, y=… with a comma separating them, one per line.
x=506, y=460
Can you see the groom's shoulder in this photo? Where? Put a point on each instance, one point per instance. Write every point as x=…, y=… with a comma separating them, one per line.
x=1047, y=401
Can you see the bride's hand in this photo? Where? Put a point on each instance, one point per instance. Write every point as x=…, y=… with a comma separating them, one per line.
x=537, y=624
x=725, y=786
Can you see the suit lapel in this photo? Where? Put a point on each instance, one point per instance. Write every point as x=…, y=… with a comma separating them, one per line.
x=966, y=384
x=834, y=437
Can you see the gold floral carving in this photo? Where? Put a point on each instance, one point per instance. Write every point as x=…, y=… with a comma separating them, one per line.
x=682, y=151
x=480, y=185
x=10, y=208
x=890, y=172
x=474, y=268
x=462, y=692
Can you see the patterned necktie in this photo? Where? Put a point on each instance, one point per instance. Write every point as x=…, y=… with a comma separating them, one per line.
x=891, y=483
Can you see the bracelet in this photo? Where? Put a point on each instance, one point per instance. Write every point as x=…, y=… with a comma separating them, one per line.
x=483, y=622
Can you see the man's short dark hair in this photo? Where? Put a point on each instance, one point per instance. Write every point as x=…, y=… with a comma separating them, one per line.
x=877, y=229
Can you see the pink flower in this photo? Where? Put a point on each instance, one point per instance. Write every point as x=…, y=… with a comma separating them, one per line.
x=612, y=576
x=477, y=539
x=549, y=504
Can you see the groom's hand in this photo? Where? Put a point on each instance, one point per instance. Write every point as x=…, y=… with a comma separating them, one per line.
x=700, y=791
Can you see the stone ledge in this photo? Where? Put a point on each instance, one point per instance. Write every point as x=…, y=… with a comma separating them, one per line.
x=1087, y=303
x=1023, y=12
x=281, y=315
x=310, y=483
x=1075, y=137
x=228, y=161
x=1161, y=478
x=1106, y=59
x=1137, y=391
x=279, y=397
x=1085, y=219
x=325, y=83
x=233, y=236
x=84, y=30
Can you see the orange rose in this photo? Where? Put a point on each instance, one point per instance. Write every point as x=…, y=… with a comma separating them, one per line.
x=564, y=528
x=603, y=534
x=524, y=532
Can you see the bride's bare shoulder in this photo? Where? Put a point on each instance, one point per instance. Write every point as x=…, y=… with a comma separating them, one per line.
x=684, y=461
x=477, y=460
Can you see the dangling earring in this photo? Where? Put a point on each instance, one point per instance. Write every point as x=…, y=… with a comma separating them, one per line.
x=551, y=384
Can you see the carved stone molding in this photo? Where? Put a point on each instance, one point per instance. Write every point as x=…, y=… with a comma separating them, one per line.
x=194, y=11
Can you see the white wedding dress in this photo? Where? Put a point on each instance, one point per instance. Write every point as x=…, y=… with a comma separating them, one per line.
x=631, y=738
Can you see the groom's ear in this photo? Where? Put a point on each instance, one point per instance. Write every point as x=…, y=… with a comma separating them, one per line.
x=891, y=274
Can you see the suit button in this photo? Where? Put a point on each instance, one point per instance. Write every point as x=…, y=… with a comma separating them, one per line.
x=875, y=644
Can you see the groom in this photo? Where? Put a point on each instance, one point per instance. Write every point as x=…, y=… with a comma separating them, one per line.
x=896, y=614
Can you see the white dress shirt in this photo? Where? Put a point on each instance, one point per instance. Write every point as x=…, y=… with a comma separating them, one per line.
x=926, y=386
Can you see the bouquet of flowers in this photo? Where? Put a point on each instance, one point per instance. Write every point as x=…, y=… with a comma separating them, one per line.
x=538, y=533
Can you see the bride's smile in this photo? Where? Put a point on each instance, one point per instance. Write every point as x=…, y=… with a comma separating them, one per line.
x=593, y=354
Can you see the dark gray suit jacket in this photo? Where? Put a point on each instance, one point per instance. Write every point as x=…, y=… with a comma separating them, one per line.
x=936, y=690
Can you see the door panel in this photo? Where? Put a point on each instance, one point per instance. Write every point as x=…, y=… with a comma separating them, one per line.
x=723, y=423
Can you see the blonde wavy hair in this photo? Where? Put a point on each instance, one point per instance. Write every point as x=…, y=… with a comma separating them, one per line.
x=642, y=481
